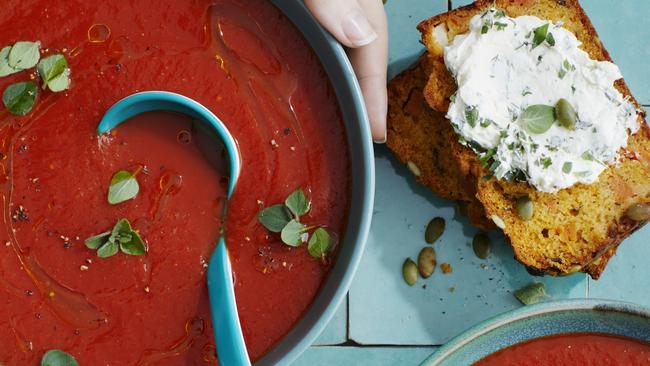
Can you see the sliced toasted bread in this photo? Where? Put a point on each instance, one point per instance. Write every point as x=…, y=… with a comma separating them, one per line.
x=422, y=138
x=575, y=229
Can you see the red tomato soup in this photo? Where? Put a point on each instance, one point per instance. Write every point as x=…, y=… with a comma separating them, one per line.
x=572, y=349
x=244, y=61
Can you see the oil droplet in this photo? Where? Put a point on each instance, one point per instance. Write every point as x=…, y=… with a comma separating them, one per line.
x=210, y=354
x=184, y=137
x=98, y=33
x=193, y=329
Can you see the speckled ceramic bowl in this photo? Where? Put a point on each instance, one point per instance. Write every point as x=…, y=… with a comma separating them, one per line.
x=534, y=321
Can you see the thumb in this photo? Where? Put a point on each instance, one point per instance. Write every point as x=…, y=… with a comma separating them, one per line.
x=345, y=19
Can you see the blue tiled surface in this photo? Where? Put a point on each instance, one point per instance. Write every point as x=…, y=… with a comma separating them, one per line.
x=386, y=322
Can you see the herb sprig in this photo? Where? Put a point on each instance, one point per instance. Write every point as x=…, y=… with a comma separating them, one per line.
x=121, y=238
x=285, y=219
x=19, y=98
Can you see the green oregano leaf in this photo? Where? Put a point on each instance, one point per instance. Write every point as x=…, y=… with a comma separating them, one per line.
x=550, y=39
x=57, y=357
x=471, y=115
x=274, y=218
x=539, y=35
x=298, y=203
x=19, y=98
x=538, y=118
x=122, y=226
x=109, y=249
x=319, y=243
x=566, y=167
x=54, y=72
x=5, y=69
x=531, y=294
x=587, y=155
x=96, y=241
x=292, y=233
x=24, y=55
x=133, y=246
x=123, y=187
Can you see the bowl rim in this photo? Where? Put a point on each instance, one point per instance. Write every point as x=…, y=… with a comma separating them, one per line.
x=531, y=311
x=332, y=292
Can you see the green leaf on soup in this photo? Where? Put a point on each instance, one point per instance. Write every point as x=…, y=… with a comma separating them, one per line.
x=538, y=118
x=122, y=226
x=54, y=72
x=108, y=250
x=57, y=357
x=5, y=69
x=121, y=237
x=298, y=203
x=123, y=187
x=19, y=98
x=125, y=238
x=96, y=241
x=540, y=34
x=24, y=55
x=135, y=246
x=292, y=233
x=274, y=218
x=319, y=243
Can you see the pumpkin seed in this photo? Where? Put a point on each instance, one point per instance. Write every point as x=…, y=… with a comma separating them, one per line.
x=498, y=222
x=427, y=262
x=639, y=212
x=525, y=208
x=410, y=272
x=434, y=229
x=413, y=168
x=481, y=245
x=566, y=115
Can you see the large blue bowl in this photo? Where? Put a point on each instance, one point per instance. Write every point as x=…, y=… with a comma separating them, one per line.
x=340, y=73
x=549, y=318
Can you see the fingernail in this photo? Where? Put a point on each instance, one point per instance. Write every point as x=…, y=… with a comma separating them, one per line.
x=357, y=28
x=382, y=140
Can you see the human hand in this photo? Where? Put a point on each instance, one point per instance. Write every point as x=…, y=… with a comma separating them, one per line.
x=361, y=26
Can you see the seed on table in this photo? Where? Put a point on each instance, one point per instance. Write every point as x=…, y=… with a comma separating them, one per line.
x=525, y=208
x=481, y=245
x=427, y=262
x=414, y=168
x=639, y=212
x=434, y=229
x=410, y=272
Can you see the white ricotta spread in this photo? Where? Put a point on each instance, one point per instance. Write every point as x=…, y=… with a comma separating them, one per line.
x=504, y=65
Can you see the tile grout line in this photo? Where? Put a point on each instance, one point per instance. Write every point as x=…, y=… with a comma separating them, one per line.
x=347, y=317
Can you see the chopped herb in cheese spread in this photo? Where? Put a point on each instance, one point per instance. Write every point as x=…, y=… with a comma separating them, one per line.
x=533, y=104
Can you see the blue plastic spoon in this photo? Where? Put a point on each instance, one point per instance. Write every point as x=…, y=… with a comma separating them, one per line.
x=231, y=348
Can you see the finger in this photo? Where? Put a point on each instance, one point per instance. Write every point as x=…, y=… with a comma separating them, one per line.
x=345, y=19
x=370, y=65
